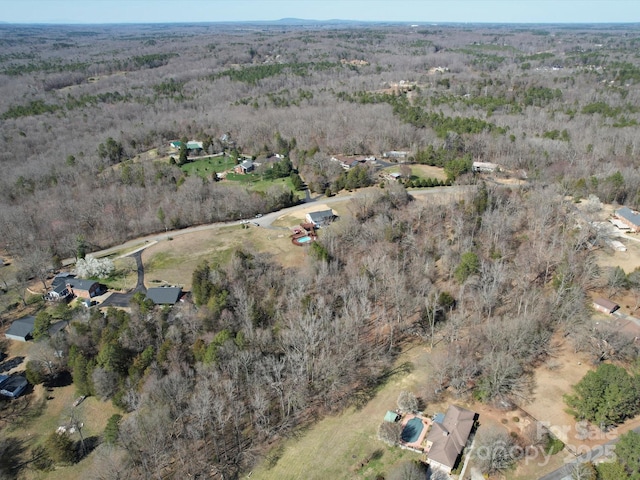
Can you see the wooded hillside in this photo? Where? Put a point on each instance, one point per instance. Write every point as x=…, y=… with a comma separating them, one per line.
x=87, y=115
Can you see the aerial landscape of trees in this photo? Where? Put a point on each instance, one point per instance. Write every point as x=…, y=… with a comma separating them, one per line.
x=491, y=270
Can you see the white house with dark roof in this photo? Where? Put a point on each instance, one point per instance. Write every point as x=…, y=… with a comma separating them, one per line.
x=448, y=436
x=320, y=218
x=58, y=292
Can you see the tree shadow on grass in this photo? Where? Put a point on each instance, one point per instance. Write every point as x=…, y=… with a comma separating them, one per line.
x=62, y=379
x=90, y=444
x=369, y=390
x=11, y=451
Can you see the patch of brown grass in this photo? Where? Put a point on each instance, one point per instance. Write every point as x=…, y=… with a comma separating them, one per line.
x=173, y=261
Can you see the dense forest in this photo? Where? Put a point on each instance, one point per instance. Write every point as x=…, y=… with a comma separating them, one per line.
x=207, y=387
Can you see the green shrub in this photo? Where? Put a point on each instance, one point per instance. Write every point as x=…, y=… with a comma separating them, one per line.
x=554, y=445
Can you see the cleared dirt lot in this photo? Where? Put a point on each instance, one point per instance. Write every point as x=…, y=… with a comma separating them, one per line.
x=628, y=261
x=553, y=380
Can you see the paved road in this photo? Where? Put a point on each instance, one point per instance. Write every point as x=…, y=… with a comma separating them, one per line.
x=267, y=219
x=601, y=451
x=624, y=316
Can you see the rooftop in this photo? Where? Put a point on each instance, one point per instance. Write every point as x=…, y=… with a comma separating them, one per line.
x=164, y=295
x=81, y=283
x=321, y=216
x=22, y=327
x=629, y=215
x=450, y=436
x=13, y=386
x=607, y=304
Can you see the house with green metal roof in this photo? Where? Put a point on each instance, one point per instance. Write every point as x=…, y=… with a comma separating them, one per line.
x=191, y=145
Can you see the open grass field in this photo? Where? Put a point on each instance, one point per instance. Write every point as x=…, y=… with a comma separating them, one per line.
x=173, y=261
x=206, y=167
x=259, y=184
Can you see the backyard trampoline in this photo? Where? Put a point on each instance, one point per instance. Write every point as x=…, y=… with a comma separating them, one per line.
x=412, y=430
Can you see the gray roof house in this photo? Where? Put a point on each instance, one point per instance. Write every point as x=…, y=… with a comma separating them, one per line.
x=61, y=278
x=628, y=216
x=320, y=218
x=58, y=292
x=447, y=438
x=245, y=167
x=12, y=386
x=84, y=288
x=21, y=329
x=164, y=295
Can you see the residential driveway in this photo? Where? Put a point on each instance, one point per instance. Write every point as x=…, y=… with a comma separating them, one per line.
x=118, y=300
x=124, y=299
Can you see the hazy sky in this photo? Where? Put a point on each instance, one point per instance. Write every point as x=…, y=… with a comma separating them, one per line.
x=151, y=11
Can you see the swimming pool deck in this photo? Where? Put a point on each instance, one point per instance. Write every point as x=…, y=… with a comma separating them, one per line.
x=426, y=424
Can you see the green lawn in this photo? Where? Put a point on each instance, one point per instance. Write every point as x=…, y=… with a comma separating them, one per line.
x=257, y=183
x=205, y=167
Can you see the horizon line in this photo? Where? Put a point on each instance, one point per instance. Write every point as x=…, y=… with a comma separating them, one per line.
x=333, y=20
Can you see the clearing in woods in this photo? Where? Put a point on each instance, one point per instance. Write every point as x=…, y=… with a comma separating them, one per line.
x=173, y=261
x=346, y=445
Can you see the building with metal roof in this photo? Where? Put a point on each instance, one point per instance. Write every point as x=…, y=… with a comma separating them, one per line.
x=320, y=218
x=629, y=217
x=164, y=295
x=21, y=330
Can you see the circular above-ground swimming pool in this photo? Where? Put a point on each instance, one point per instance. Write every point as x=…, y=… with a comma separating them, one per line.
x=306, y=239
x=412, y=430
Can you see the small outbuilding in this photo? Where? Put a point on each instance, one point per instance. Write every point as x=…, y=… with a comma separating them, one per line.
x=321, y=218
x=391, y=417
x=484, y=167
x=605, y=306
x=12, y=386
x=164, y=295
x=21, y=330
